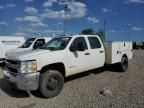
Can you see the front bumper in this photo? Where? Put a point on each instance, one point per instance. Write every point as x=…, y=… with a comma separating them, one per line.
x=28, y=81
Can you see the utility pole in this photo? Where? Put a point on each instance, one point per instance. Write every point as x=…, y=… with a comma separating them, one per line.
x=104, y=28
x=65, y=18
x=66, y=3
x=128, y=30
x=3, y=29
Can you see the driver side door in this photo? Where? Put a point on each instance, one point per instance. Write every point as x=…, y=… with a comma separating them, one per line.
x=77, y=61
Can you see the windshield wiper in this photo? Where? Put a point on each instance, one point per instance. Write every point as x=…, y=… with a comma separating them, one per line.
x=51, y=48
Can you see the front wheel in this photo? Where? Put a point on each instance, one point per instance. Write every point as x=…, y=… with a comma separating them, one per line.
x=51, y=83
x=123, y=65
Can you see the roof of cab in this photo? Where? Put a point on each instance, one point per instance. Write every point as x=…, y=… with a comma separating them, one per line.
x=80, y=36
x=41, y=37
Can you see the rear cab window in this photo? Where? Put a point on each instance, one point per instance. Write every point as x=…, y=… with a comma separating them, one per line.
x=94, y=42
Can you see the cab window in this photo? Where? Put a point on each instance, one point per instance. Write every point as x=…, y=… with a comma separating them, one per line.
x=79, y=44
x=94, y=42
x=28, y=43
x=39, y=43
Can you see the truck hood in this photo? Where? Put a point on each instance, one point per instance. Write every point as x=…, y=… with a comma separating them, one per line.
x=18, y=50
x=25, y=55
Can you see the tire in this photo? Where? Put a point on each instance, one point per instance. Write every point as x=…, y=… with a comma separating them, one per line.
x=123, y=65
x=51, y=83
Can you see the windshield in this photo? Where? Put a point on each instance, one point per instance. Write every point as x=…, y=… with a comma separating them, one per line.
x=28, y=43
x=57, y=43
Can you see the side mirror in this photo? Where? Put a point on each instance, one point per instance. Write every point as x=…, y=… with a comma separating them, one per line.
x=35, y=46
x=73, y=48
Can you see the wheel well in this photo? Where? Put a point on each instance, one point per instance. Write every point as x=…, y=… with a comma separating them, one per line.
x=125, y=56
x=56, y=66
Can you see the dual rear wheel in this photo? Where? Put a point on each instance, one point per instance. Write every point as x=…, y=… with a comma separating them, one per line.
x=123, y=65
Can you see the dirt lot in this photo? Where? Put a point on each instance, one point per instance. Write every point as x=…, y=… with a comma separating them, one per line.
x=93, y=89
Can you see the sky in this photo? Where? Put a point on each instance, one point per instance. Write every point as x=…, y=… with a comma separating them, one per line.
x=124, y=19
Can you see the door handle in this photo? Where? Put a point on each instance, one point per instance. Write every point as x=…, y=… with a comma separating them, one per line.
x=101, y=51
x=87, y=53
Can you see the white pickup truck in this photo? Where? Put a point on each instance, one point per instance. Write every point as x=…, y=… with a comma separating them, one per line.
x=45, y=69
x=31, y=43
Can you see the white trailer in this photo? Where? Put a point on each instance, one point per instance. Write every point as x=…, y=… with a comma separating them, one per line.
x=9, y=43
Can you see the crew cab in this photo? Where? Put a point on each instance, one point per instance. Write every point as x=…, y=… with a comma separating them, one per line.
x=46, y=68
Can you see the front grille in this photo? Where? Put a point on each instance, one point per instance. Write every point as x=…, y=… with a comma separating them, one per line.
x=12, y=66
x=12, y=62
x=12, y=69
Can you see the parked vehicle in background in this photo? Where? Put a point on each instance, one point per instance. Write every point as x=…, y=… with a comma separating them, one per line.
x=138, y=45
x=142, y=47
x=31, y=43
x=45, y=69
x=8, y=43
x=134, y=45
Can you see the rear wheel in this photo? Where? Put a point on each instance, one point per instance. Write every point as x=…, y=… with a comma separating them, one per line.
x=51, y=83
x=123, y=65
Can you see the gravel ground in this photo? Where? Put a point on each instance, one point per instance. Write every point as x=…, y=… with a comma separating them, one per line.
x=94, y=89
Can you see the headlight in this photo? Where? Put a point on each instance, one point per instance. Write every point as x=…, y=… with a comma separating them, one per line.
x=28, y=67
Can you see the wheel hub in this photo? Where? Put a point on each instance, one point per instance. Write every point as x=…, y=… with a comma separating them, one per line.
x=52, y=83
